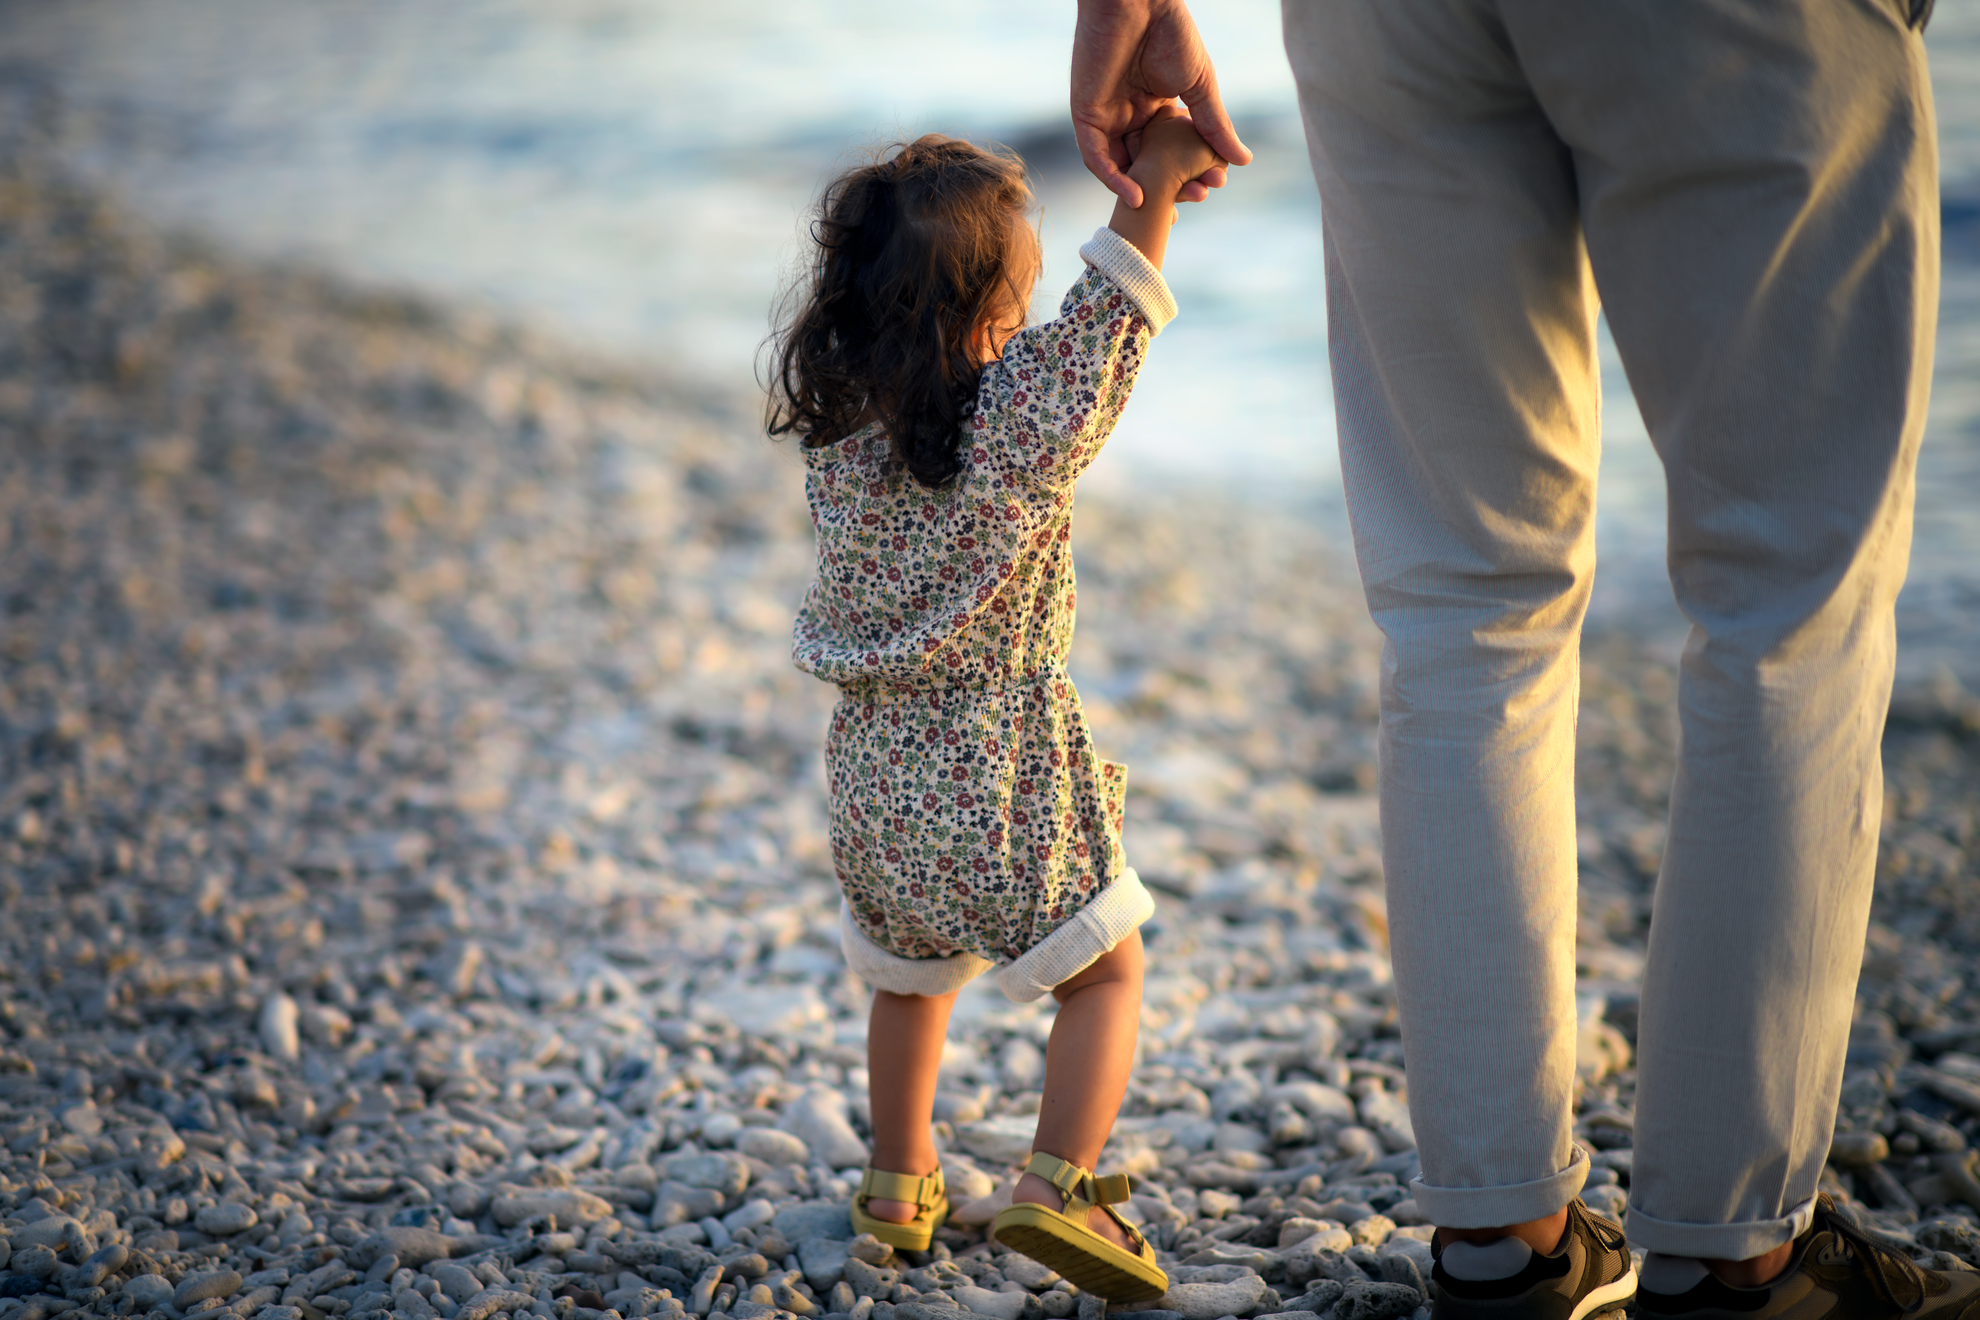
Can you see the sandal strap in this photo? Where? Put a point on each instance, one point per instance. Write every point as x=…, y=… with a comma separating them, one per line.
x=1062, y=1174
x=1083, y=1191
x=925, y=1192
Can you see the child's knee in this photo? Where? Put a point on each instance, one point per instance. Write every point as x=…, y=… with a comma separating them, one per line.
x=1121, y=964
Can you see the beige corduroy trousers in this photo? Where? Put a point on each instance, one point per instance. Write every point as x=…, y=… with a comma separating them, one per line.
x=1749, y=189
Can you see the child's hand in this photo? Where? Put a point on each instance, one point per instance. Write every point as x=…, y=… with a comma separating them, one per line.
x=1166, y=153
x=1165, y=157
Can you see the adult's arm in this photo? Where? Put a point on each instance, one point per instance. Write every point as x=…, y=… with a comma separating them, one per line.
x=1129, y=57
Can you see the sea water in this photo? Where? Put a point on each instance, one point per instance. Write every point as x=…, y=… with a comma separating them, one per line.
x=633, y=175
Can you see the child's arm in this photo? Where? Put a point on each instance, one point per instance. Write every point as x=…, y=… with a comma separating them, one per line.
x=1171, y=154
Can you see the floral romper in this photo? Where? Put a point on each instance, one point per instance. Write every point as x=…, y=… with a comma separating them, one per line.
x=971, y=818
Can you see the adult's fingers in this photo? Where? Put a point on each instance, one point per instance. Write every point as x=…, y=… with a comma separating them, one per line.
x=1206, y=111
x=1105, y=160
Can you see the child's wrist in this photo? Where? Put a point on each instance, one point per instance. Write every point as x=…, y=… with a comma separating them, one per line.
x=1157, y=183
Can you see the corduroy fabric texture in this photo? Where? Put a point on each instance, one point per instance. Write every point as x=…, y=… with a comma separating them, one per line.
x=1122, y=262
x=1094, y=930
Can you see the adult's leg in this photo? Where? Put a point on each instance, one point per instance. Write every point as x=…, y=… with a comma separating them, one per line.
x=1461, y=329
x=1759, y=195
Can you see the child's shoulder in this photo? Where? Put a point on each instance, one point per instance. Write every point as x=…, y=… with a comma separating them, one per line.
x=853, y=448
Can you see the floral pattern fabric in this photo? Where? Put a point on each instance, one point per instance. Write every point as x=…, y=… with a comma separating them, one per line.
x=969, y=810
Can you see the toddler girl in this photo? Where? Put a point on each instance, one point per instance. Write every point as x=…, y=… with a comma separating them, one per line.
x=973, y=826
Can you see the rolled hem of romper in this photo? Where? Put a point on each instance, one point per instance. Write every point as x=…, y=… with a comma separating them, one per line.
x=1093, y=931
x=1495, y=1207
x=1113, y=915
x=1741, y=1241
x=886, y=970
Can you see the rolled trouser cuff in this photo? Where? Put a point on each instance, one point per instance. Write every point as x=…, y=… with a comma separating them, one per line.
x=1495, y=1207
x=1741, y=1241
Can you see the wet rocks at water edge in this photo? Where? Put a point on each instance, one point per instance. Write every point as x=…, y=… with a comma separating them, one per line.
x=415, y=897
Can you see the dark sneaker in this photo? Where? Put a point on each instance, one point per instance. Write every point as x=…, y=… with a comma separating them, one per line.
x=1590, y=1272
x=1837, y=1272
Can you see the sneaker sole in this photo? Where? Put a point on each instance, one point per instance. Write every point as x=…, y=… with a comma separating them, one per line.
x=1606, y=1298
x=1608, y=1295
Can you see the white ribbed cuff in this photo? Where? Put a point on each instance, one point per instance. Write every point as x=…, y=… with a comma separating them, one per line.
x=1122, y=262
x=1116, y=913
x=1094, y=930
x=886, y=970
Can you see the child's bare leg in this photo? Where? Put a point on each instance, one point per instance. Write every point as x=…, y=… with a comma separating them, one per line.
x=904, y=1038
x=1086, y=1072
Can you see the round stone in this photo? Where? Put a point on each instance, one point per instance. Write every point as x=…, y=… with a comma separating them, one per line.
x=205, y=1284
x=773, y=1147
x=225, y=1217
x=149, y=1290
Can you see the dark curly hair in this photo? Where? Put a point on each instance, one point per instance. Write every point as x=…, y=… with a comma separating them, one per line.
x=917, y=255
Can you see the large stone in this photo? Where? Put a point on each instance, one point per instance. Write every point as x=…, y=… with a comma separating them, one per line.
x=718, y=1170
x=455, y=1280
x=225, y=1217
x=823, y=1260
x=1209, y=1301
x=818, y=1118
x=1028, y=1273
x=280, y=1027
x=1860, y=1149
x=870, y=1280
x=1234, y=1253
x=1316, y=1100
x=56, y=1232
x=773, y=1147
x=1308, y=1262
x=964, y=1181
x=1319, y=1297
x=149, y=1291
x=807, y=1219
x=101, y=1264
x=764, y=1010
x=1004, y=1140
x=35, y=1262
x=414, y=1247
x=199, y=1286
x=568, y=1204
x=489, y=1301
x=1376, y=1301
x=1418, y=1251
x=1371, y=1230
x=997, y=1305
x=678, y=1203
x=1388, y=1117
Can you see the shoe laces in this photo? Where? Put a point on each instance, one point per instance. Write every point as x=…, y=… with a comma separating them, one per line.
x=1886, y=1265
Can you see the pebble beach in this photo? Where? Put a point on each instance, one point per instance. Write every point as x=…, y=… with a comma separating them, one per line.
x=414, y=891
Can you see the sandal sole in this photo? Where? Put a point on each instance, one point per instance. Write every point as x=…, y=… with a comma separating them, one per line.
x=1077, y=1253
x=911, y=1236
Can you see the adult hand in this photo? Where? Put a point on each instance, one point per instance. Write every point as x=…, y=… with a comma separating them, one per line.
x=1129, y=57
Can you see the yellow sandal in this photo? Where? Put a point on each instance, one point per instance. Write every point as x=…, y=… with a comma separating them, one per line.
x=1061, y=1240
x=931, y=1201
